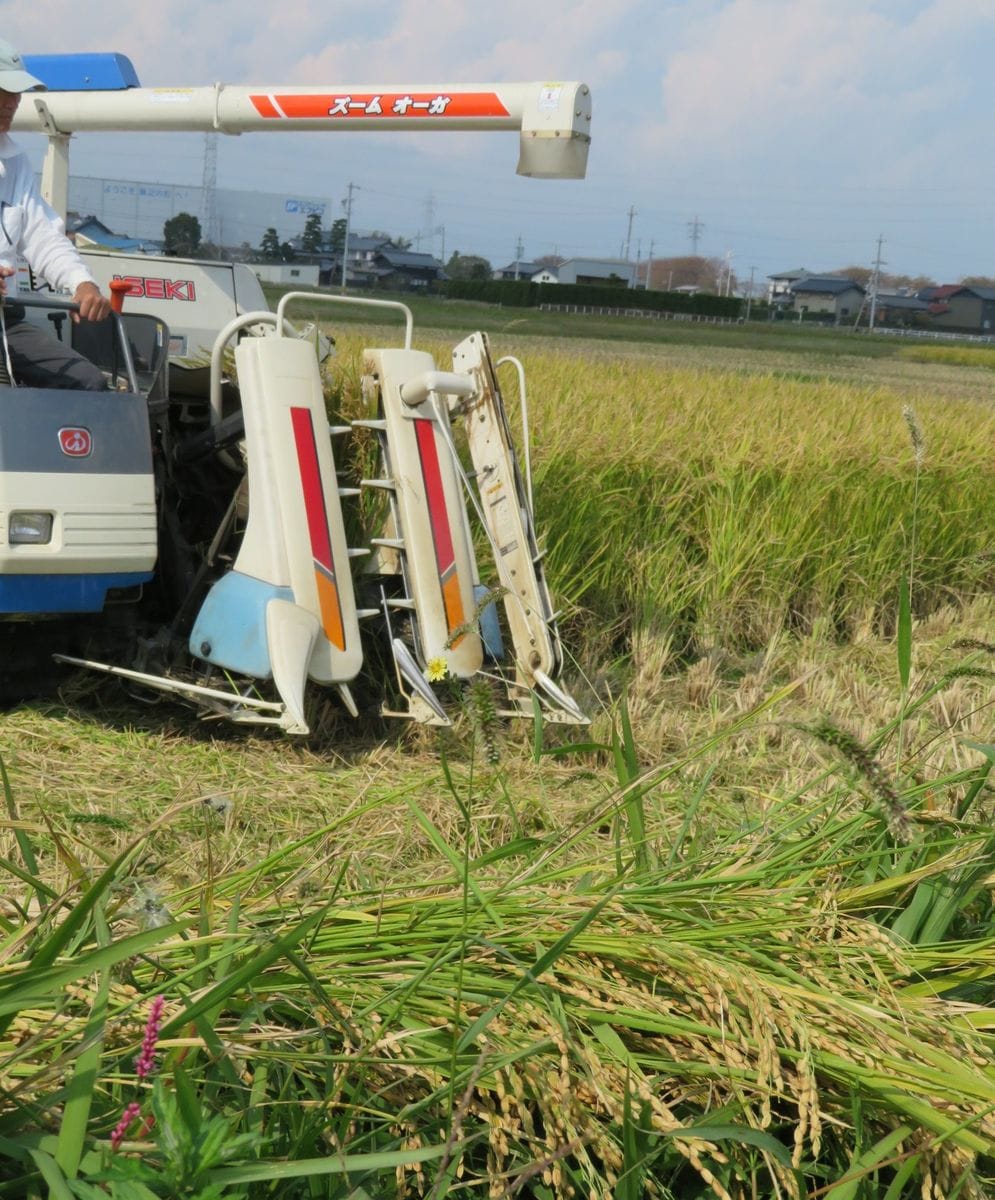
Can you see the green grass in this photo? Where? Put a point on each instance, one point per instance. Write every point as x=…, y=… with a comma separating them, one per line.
x=961, y=356
x=452, y=315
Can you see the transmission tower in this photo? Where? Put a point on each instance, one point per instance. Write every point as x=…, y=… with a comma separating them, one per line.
x=695, y=230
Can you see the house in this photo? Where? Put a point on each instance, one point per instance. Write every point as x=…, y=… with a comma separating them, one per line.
x=361, y=269
x=603, y=272
x=898, y=308
x=960, y=307
x=407, y=270
x=89, y=231
x=377, y=262
x=546, y=275
x=779, y=286
x=831, y=295
x=363, y=249
x=518, y=270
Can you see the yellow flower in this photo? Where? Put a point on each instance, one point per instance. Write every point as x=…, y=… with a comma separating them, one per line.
x=436, y=670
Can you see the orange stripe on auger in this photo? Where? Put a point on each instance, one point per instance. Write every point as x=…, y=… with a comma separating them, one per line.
x=264, y=106
x=363, y=106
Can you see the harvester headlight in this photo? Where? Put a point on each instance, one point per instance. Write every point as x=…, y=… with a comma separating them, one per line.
x=30, y=528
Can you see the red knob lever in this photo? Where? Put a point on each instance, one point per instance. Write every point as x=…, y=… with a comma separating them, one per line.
x=119, y=289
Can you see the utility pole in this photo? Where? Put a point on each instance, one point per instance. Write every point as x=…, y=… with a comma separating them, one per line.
x=519, y=251
x=695, y=230
x=749, y=294
x=649, y=266
x=875, y=281
x=628, y=236
x=428, y=221
x=209, y=187
x=347, y=205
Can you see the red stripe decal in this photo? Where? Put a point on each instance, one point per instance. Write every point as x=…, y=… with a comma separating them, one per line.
x=445, y=555
x=317, y=524
x=362, y=106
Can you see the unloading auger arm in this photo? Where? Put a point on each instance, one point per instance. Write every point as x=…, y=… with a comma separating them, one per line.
x=553, y=119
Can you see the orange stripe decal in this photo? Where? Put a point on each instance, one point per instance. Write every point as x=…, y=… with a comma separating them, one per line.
x=331, y=609
x=453, y=601
x=264, y=106
x=366, y=105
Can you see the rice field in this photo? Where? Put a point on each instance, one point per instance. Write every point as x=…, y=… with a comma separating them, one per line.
x=733, y=940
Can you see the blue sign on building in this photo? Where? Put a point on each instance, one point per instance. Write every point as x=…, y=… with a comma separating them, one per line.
x=307, y=207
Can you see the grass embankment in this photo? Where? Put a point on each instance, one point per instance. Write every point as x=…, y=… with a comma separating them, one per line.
x=750, y=957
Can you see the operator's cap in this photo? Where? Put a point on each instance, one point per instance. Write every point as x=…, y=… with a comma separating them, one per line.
x=13, y=77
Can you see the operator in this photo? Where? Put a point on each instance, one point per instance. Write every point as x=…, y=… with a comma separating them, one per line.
x=31, y=228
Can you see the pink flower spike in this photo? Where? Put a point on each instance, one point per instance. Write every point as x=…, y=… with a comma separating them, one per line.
x=145, y=1062
x=121, y=1128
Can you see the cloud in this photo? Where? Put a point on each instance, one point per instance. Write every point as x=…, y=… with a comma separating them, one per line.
x=810, y=81
x=828, y=116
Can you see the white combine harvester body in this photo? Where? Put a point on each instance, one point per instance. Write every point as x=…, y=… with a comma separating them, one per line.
x=252, y=593
x=194, y=297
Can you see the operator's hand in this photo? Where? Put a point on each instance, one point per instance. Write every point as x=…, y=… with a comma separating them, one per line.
x=5, y=274
x=93, y=305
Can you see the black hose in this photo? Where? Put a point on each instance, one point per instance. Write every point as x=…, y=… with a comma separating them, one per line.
x=6, y=372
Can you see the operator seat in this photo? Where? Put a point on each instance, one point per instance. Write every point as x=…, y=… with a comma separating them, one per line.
x=148, y=338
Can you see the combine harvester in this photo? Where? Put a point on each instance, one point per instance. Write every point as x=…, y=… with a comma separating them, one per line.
x=188, y=535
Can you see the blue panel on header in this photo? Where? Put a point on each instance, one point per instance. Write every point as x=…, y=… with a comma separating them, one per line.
x=230, y=630
x=62, y=593
x=82, y=72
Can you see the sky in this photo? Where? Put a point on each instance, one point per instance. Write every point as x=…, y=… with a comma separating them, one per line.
x=795, y=133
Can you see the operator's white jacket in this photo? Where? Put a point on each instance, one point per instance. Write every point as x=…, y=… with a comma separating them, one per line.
x=32, y=229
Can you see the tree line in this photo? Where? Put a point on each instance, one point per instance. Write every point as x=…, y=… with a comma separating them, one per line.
x=183, y=237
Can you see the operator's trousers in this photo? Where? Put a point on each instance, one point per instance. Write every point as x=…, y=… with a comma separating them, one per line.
x=41, y=360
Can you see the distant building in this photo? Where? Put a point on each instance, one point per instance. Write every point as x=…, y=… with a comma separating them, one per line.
x=377, y=262
x=611, y=272
x=831, y=295
x=305, y=274
x=779, y=285
x=961, y=308
x=89, y=231
x=518, y=270
x=897, y=308
x=143, y=208
x=407, y=269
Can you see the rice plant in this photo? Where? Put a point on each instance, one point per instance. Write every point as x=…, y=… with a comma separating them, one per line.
x=736, y=942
